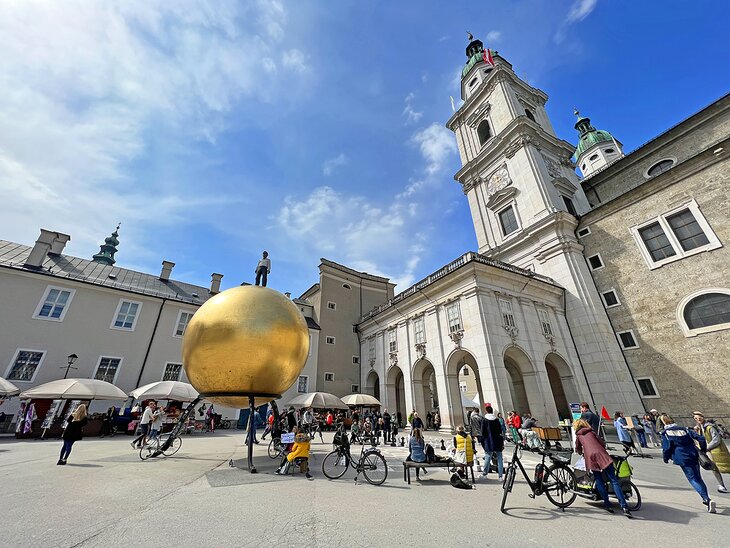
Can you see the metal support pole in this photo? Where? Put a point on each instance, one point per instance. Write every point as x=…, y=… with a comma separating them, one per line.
x=251, y=433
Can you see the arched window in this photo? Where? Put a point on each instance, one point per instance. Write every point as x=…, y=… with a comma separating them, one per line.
x=707, y=310
x=483, y=132
x=660, y=167
x=529, y=114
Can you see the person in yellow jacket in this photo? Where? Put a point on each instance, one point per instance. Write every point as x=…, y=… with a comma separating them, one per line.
x=464, y=445
x=299, y=450
x=715, y=447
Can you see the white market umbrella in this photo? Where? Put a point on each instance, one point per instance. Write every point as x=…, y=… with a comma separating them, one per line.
x=165, y=390
x=75, y=389
x=360, y=399
x=319, y=400
x=467, y=403
x=8, y=389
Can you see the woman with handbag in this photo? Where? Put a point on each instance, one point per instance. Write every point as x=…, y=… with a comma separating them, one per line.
x=719, y=457
x=72, y=433
x=678, y=444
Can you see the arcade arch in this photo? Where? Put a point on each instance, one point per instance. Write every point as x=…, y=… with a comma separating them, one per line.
x=462, y=371
x=395, y=391
x=372, y=384
x=425, y=394
x=562, y=384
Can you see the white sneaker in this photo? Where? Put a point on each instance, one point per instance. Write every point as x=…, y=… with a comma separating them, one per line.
x=721, y=489
x=711, y=507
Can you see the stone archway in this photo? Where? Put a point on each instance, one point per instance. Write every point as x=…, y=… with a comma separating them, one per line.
x=462, y=371
x=562, y=384
x=395, y=391
x=372, y=384
x=522, y=392
x=425, y=393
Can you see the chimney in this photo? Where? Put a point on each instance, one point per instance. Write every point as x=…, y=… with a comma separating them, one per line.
x=167, y=267
x=40, y=249
x=287, y=295
x=215, y=283
x=59, y=242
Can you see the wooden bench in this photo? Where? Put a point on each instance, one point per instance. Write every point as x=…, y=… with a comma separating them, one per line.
x=408, y=464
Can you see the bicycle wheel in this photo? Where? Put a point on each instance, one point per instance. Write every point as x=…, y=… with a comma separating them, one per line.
x=334, y=465
x=634, y=498
x=174, y=447
x=147, y=450
x=274, y=448
x=560, y=485
x=509, y=481
x=374, y=468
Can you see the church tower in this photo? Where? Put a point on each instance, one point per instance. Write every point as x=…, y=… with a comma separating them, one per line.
x=524, y=198
x=596, y=148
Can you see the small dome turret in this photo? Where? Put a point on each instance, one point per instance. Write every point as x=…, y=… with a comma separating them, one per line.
x=603, y=147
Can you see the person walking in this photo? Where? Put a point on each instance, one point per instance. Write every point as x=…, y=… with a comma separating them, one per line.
x=269, y=425
x=516, y=425
x=210, y=417
x=493, y=442
x=502, y=424
x=715, y=447
x=72, y=432
x=658, y=424
x=639, y=429
x=678, y=444
x=600, y=463
x=156, y=423
x=475, y=424
x=650, y=429
x=622, y=430
x=417, y=449
x=263, y=269
x=386, y=426
x=590, y=417
x=144, y=425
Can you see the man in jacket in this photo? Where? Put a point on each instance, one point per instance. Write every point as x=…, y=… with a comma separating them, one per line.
x=678, y=444
x=492, y=441
x=590, y=417
x=475, y=423
x=716, y=447
x=386, y=426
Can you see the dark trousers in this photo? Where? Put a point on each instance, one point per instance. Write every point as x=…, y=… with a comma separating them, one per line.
x=386, y=433
x=609, y=475
x=261, y=275
x=66, y=449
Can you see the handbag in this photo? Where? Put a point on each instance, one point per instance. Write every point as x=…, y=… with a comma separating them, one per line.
x=705, y=461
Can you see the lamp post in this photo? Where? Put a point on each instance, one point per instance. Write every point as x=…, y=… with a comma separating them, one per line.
x=71, y=359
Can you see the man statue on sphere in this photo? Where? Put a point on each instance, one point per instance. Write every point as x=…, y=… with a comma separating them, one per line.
x=263, y=269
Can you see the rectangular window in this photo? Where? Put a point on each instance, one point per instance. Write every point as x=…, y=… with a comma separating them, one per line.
x=547, y=329
x=453, y=315
x=329, y=340
x=126, y=316
x=462, y=387
x=569, y=206
x=647, y=387
x=610, y=298
x=419, y=330
x=329, y=377
x=302, y=384
x=182, y=322
x=172, y=372
x=354, y=388
x=25, y=365
x=107, y=369
x=656, y=242
x=508, y=220
x=595, y=262
x=584, y=232
x=54, y=304
x=508, y=318
x=465, y=371
x=331, y=305
x=687, y=230
x=627, y=340
x=392, y=341
x=356, y=359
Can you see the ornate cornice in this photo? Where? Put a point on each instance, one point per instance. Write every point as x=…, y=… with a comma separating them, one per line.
x=456, y=337
x=520, y=141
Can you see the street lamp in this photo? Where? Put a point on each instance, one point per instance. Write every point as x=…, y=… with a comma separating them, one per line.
x=71, y=359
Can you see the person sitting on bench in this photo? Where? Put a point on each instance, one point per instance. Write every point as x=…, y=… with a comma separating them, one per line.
x=417, y=448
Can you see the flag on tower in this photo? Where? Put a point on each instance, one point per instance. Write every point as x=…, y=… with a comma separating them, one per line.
x=487, y=56
x=605, y=414
x=453, y=107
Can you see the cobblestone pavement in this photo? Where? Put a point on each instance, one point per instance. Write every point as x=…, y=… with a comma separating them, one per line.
x=106, y=496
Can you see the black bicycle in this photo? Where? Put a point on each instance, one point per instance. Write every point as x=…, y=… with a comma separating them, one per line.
x=371, y=463
x=557, y=481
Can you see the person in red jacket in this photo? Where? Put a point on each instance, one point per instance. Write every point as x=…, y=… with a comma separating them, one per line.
x=516, y=425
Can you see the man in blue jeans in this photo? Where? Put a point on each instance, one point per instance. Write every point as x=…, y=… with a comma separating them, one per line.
x=492, y=441
x=678, y=444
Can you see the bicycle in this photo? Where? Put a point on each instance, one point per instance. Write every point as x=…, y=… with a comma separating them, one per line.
x=556, y=482
x=371, y=463
x=157, y=445
x=276, y=449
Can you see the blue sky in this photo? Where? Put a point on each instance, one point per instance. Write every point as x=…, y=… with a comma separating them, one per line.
x=311, y=129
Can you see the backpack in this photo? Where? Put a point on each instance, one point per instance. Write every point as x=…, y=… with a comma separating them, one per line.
x=459, y=483
x=623, y=468
x=430, y=453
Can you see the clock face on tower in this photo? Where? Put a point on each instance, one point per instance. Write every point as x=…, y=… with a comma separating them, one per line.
x=497, y=181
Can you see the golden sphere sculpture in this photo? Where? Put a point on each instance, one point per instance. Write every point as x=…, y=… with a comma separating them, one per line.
x=245, y=341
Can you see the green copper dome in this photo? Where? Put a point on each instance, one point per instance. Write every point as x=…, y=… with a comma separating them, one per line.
x=589, y=135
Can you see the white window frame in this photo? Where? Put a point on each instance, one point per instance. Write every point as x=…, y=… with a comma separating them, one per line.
x=419, y=321
x=331, y=305
x=465, y=371
x=164, y=369
x=694, y=208
x=36, y=314
x=116, y=373
x=586, y=230
x=700, y=330
x=653, y=384
x=116, y=314
x=458, y=323
x=15, y=357
x=329, y=338
x=633, y=335
x=507, y=312
x=331, y=376
x=354, y=388
x=545, y=325
x=356, y=360
x=590, y=266
x=306, y=387
x=393, y=340
x=646, y=171
x=177, y=323
x=603, y=298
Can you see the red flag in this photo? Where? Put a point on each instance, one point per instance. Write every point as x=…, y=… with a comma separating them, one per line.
x=487, y=56
x=604, y=413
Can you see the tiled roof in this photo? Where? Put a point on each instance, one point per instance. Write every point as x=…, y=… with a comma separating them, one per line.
x=343, y=268
x=311, y=324
x=65, y=267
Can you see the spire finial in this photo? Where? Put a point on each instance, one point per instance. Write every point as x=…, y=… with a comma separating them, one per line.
x=575, y=111
x=470, y=35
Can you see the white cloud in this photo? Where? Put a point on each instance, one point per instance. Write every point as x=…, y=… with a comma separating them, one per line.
x=493, y=36
x=436, y=144
x=333, y=163
x=88, y=87
x=580, y=10
x=409, y=112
